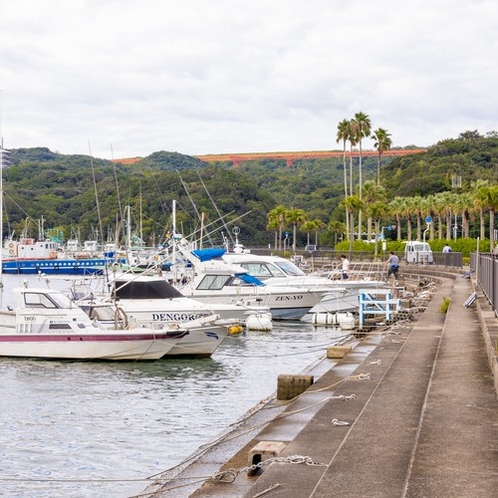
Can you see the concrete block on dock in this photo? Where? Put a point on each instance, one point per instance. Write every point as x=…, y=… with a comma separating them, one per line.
x=338, y=352
x=263, y=451
x=406, y=303
x=290, y=386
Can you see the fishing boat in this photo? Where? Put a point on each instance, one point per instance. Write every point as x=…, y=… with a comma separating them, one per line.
x=28, y=256
x=46, y=324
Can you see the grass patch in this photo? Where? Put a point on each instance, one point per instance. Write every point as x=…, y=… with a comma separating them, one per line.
x=445, y=305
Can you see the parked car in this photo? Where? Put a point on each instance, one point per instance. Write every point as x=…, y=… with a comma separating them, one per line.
x=418, y=252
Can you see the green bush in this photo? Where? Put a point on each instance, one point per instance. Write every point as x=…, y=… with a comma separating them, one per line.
x=445, y=304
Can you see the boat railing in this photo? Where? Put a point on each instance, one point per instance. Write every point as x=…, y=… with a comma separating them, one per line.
x=363, y=270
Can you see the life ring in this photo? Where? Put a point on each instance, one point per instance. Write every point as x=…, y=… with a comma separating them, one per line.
x=11, y=245
x=52, y=254
x=120, y=319
x=12, y=252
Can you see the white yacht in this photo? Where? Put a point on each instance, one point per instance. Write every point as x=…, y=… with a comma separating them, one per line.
x=211, y=280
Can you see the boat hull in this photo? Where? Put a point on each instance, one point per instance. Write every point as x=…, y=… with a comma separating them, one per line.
x=285, y=304
x=199, y=342
x=54, y=266
x=119, y=347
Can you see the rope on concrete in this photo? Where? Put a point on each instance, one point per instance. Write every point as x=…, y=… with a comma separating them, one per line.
x=271, y=488
x=339, y=422
x=231, y=474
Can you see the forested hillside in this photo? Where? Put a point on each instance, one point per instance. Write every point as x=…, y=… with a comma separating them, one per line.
x=61, y=189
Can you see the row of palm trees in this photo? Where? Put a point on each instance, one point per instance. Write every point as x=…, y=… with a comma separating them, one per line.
x=354, y=131
x=281, y=218
x=451, y=215
x=370, y=198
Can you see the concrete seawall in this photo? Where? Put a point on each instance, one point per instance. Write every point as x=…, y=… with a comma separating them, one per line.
x=412, y=412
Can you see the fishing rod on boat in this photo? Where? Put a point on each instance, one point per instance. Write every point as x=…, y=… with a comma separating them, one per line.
x=215, y=206
x=222, y=227
x=192, y=202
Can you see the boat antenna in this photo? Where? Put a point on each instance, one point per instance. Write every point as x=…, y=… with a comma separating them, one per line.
x=1, y=199
x=96, y=198
x=120, y=207
x=199, y=216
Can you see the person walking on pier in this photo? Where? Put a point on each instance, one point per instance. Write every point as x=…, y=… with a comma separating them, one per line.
x=345, y=267
x=393, y=267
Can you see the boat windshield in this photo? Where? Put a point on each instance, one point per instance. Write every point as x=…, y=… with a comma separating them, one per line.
x=139, y=289
x=213, y=282
x=52, y=301
x=101, y=313
x=290, y=269
x=261, y=270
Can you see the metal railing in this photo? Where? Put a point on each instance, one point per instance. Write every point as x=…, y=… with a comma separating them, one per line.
x=485, y=266
x=327, y=257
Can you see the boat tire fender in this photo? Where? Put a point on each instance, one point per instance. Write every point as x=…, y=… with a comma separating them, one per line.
x=120, y=319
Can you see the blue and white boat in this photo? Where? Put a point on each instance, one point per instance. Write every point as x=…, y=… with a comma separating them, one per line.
x=28, y=256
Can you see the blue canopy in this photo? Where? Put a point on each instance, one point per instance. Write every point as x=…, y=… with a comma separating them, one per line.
x=208, y=254
x=249, y=279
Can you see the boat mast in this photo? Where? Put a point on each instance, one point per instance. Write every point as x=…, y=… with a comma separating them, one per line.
x=1, y=200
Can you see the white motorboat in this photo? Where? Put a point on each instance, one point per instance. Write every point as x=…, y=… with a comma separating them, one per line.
x=47, y=324
x=342, y=295
x=275, y=270
x=151, y=301
x=211, y=280
x=339, y=300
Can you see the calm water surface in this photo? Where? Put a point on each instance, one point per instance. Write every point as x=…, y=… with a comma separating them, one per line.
x=96, y=429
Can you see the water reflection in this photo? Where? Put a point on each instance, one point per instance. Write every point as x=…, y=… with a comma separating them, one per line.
x=73, y=422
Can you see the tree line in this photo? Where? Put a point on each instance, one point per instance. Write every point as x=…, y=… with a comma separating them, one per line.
x=315, y=201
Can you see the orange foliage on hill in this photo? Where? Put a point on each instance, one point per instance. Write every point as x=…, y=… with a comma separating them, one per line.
x=288, y=157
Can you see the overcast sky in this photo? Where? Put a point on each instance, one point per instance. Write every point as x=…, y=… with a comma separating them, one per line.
x=125, y=78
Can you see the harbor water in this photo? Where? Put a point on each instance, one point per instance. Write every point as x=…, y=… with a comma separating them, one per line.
x=102, y=429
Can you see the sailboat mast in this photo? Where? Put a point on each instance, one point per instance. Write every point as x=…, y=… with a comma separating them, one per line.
x=1, y=199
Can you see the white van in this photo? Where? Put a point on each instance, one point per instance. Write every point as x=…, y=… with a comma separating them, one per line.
x=418, y=252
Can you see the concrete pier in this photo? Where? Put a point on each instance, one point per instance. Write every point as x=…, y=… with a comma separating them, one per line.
x=410, y=413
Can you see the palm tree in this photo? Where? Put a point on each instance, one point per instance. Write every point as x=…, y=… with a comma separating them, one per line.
x=372, y=193
x=273, y=224
x=276, y=218
x=361, y=128
x=312, y=226
x=430, y=206
x=479, y=204
x=489, y=197
x=336, y=227
x=295, y=216
x=354, y=205
x=382, y=142
x=463, y=205
x=420, y=206
x=344, y=134
x=397, y=208
x=377, y=211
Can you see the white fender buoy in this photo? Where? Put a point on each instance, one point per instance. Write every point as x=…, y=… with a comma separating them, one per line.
x=343, y=320
x=323, y=319
x=259, y=321
x=346, y=321
x=327, y=318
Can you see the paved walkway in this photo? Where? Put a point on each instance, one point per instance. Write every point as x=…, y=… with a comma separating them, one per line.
x=421, y=413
